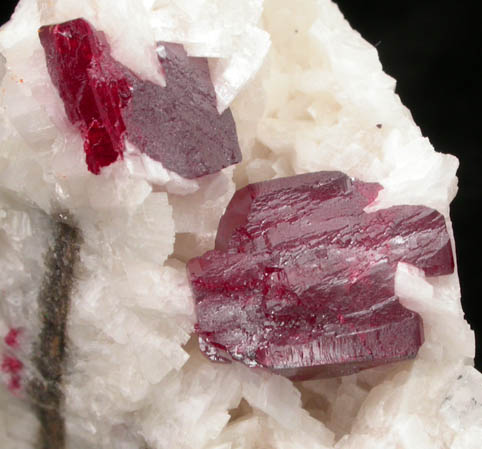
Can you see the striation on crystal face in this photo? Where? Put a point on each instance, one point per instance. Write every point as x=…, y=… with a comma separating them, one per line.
x=177, y=125
x=302, y=279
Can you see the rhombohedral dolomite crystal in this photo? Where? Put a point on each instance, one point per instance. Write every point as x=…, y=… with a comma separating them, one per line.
x=98, y=344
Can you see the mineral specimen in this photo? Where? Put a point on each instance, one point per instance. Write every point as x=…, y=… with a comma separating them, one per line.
x=306, y=93
x=302, y=279
x=177, y=125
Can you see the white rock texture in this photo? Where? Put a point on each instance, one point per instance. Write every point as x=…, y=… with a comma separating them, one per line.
x=307, y=93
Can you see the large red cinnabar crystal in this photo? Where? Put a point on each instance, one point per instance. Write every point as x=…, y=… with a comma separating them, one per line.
x=177, y=125
x=302, y=280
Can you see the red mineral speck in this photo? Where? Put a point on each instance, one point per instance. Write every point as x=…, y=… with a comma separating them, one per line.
x=14, y=383
x=177, y=125
x=11, y=339
x=11, y=365
x=302, y=280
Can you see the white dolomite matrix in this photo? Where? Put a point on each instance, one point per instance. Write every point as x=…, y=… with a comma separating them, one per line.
x=307, y=93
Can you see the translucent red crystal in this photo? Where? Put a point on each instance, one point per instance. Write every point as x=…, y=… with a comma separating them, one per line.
x=177, y=125
x=302, y=280
x=93, y=86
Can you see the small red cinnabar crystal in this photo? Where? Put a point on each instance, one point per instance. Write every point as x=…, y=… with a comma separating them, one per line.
x=92, y=85
x=302, y=280
x=177, y=125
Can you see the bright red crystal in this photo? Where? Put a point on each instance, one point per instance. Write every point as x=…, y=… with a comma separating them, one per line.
x=177, y=125
x=93, y=86
x=302, y=280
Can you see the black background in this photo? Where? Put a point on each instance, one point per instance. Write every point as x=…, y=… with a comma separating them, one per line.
x=433, y=49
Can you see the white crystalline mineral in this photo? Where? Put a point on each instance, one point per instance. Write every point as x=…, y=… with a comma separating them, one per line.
x=307, y=93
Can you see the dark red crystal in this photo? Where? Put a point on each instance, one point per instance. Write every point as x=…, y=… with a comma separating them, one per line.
x=302, y=280
x=177, y=125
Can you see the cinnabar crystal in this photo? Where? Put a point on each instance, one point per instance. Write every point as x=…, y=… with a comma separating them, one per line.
x=92, y=85
x=302, y=280
x=177, y=125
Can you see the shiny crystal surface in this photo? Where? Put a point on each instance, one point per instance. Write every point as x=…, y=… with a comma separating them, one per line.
x=302, y=279
x=93, y=86
x=177, y=125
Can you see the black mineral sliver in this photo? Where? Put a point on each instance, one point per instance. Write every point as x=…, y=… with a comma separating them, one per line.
x=50, y=350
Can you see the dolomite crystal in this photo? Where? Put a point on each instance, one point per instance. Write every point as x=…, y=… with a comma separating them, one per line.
x=177, y=125
x=302, y=279
x=306, y=93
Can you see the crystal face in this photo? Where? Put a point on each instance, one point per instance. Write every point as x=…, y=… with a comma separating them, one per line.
x=302, y=279
x=177, y=125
